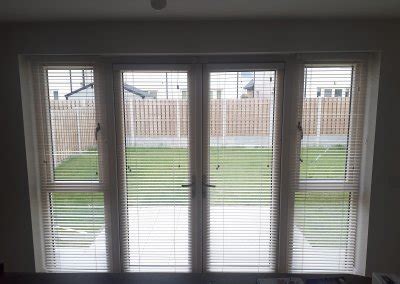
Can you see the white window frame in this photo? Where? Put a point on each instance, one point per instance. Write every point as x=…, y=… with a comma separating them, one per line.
x=34, y=155
x=293, y=81
x=226, y=67
x=331, y=185
x=371, y=62
x=194, y=138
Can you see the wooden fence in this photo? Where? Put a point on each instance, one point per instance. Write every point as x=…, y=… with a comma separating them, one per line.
x=156, y=118
x=325, y=116
x=74, y=122
x=73, y=126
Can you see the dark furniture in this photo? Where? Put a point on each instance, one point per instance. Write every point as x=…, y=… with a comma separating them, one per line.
x=157, y=278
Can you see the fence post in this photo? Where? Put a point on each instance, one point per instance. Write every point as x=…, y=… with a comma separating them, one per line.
x=78, y=126
x=132, y=106
x=53, y=112
x=271, y=105
x=224, y=101
x=319, y=118
x=178, y=119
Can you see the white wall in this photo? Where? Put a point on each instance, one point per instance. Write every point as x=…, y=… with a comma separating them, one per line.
x=16, y=248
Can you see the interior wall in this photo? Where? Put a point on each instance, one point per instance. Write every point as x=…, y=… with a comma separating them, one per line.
x=16, y=246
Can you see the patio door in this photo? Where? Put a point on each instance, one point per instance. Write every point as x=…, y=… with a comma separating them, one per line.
x=241, y=167
x=199, y=166
x=155, y=167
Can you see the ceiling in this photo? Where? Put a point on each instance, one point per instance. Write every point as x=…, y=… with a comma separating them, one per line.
x=64, y=10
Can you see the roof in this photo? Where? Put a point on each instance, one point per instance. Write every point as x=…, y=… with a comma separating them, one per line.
x=137, y=91
x=79, y=90
x=141, y=93
x=249, y=85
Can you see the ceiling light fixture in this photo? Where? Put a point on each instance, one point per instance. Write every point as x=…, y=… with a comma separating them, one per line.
x=158, y=4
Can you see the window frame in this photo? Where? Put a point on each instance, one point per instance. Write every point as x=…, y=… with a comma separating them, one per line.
x=32, y=90
x=89, y=185
x=117, y=70
x=359, y=73
x=370, y=65
x=239, y=67
x=293, y=79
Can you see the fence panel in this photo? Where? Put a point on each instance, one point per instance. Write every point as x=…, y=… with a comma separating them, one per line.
x=247, y=117
x=335, y=113
x=73, y=129
x=310, y=116
x=215, y=117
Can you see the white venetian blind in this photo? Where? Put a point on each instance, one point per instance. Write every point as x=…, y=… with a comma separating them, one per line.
x=155, y=172
x=243, y=171
x=71, y=169
x=323, y=219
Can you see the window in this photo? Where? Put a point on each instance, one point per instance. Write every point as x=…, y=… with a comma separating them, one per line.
x=323, y=220
x=219, y=94
x=328, y=93
x=338, y=92
x=215, y=94
x=243, y=173
x=75, y=230
x=318, y=92
x=152, y=94
x=184, y=94
x=156, y=177
x=189, y=168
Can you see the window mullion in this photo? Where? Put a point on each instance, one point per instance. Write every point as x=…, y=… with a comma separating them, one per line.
x=195, y=109
x=289, y=144
x=110, y=130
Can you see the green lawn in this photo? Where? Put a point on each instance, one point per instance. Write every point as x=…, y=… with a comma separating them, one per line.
x=323, y=162
x=155, y=175
x=145, y=163
x=82, y=167
x=76, y=214
x=325, y=219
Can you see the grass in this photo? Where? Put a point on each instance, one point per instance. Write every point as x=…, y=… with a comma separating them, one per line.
x=145, y=163
x=323, y=162
x=76, y=217
x=325, y=220
x=81, y=167
x=155, y=175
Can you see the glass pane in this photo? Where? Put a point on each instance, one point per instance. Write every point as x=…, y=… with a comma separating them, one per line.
x=157, y=212
x=326, y=123
x=242, y=204
x=77, y=239
x=73, y=144
x=324, y=233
